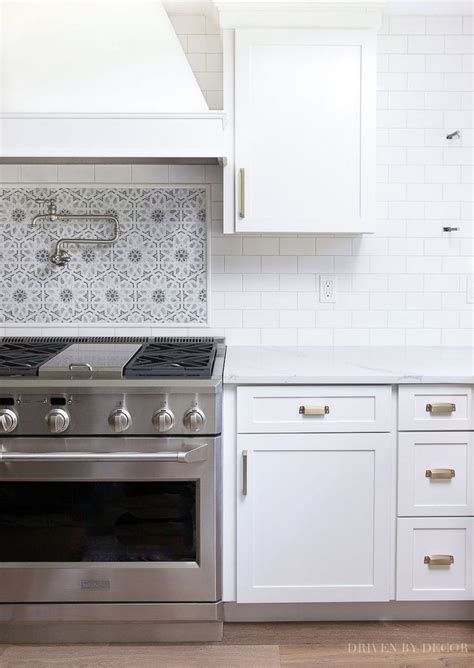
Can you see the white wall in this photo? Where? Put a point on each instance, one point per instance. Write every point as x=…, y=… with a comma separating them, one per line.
x=405, y=285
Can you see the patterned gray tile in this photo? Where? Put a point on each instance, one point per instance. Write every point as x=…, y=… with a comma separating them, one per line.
x=156, y=272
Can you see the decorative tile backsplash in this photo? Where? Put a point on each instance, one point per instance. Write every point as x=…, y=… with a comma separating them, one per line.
x=155, y=272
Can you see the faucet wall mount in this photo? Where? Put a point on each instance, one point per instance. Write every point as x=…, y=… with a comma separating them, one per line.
x=60, y=256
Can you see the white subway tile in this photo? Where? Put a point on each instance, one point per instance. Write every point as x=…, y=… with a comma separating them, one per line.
x=113, y=173
x=421, y=192
x=440, y=210
x=242, y=337
x=443, y=25
x=297, y=282
x=424, y=265
x=457, y=44
x=226, y=318
x=261, y=245
x=407, y=25
x=228, y=245
x=388, y=192
x=457, y=337
x=458, y=119
x=391, y=155
x=279, y=337
x=405, y=283
x=351, y=337
x=76, y=173
x=188, y=24
x=359, y=264
x=391, y=118
x=406, y=246
x=423, y=337
x=406, y=210
x=406, y=100
x=406, y=63
x=392, y=44
x=261, y=282
x=458, y=81
x=39, y=173
x=421, y=301
x=382, y=62
x=354, y=301
x=387, y=264
x=243, y=264
x=467, y=174
x=297, y=318
x=369, y=319
x=279, y=264
x=444, y=246
x=444, y=63
x=187, y=174
x=405, y=319
x=297, y=245
x=261, y=318
x=467, y=63
x=369, y=246
x=212, y=26
x=242, y=300
x=425, y=156
x=214, y=99
x=197, y=61
x=406, y=174
x=334, y=246
x=424, y=119
x=458, y=156
x=333, y=318
x=321, y=264
x=462, y=192
x=218, y=300
x=387, y=301
x=440, y=100
x=150, y=174
x=280, y=300
x=425, y=44
x=315, y=337
x=10, y=173
x=204, y=44
x=210, y=81
x=382, y=173
x=369, y=282
x=387, y=337
x=427, y=81
x=228, y=282
x=442, y=174
x=391, y=81
x=214, y=62
x=441, y=283
x=458, y=265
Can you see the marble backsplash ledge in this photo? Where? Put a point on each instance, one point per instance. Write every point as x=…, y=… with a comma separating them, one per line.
x=156, y=273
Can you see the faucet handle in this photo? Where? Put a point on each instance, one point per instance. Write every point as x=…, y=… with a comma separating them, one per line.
x=46, y=200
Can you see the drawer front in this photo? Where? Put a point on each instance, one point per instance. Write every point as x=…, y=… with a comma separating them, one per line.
x=435, y=407
x=434, y=559
x=435, y=473
x=313, y=409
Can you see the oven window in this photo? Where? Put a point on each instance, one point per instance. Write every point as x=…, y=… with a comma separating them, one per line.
x=97, y=521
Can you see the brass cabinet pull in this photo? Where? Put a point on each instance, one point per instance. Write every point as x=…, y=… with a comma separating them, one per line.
x=440, y=474
x=242, y=193
x=245, y=456
x=440, y=409
x=314, y=410
x=439, y=559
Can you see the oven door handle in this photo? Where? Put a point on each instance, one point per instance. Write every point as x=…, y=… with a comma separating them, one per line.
x=198, y=454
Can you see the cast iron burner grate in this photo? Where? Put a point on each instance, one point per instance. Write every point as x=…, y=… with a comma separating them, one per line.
x=181, y=359
x=24, y=359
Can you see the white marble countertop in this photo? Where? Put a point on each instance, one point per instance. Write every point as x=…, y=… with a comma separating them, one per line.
x=279, y=365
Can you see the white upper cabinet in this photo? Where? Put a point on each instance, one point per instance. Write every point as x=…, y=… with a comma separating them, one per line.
x=304, y=130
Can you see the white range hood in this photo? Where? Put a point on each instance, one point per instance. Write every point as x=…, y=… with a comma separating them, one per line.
x=99, y=78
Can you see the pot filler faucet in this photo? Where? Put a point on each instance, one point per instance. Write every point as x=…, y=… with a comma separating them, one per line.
x=60, y=256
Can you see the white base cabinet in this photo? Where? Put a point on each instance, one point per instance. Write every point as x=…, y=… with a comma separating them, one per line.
x=313, y=517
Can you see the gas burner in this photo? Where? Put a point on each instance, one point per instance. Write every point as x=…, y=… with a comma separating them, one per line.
x=179, y=359
x=24, y=359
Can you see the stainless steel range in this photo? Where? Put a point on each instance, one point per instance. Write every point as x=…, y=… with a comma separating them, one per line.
x=110, y=489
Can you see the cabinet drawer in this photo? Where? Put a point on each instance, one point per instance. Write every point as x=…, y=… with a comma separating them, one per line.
x=313, y=409
x=434, y=559
x=435, y=407
x=435, y=473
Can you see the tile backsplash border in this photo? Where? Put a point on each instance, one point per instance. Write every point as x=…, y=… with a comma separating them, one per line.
x=98, y=328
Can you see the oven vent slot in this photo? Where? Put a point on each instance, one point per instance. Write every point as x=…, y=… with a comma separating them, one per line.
x=183, y=339
x=76, y=339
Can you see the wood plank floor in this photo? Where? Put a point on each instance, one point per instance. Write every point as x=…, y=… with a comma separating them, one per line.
x=303, y=645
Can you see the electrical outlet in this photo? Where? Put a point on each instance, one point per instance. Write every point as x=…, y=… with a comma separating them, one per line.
x=470, y=289
x=327, y=289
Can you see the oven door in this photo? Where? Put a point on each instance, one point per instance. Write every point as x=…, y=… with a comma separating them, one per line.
x=109, y=519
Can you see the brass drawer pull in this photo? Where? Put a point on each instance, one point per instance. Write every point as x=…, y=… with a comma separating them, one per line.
x=440, y=474
x=439, y=560
x=314, y=410
x=440, y=409
x=245, y=456
x=242, y=194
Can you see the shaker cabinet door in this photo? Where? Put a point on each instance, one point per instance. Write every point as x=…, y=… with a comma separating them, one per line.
x=304, y=130
x=313, y=518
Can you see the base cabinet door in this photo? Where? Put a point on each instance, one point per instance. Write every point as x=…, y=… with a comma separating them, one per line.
x=313, y=517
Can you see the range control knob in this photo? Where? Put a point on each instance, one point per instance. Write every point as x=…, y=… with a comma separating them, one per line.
x=163, y=420
x=57, y=421
x=194, y=419
x=8, y=420
x=120, y=420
